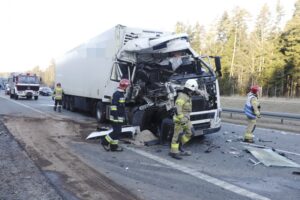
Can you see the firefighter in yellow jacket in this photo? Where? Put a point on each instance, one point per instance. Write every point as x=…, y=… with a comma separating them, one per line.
x=252, y=111
x=183, y=127
x=57, y=97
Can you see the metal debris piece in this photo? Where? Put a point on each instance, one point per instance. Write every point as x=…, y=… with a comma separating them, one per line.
x=254, y=162
x=152, y=142
x=277, y=150
x=296, y=173
x=261, y=140
x=270, y=158
x=104, y=132
x=210, y=148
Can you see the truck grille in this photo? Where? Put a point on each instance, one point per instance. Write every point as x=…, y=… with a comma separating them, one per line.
x=202, y=126
x=26, y=87
x=198, y=104
x=202, y=116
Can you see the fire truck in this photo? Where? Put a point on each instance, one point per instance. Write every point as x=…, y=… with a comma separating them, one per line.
x=24, y=85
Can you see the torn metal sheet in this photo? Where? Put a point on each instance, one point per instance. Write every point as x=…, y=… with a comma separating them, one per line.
x=270, y=158
x=132, y=129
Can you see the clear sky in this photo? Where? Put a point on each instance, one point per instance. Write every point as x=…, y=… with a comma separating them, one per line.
x=34, y=31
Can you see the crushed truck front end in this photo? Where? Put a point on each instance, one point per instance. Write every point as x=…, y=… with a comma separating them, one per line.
x=158, y=68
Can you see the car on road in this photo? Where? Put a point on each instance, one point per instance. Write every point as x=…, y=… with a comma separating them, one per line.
x=45, y=91
x=7, y=89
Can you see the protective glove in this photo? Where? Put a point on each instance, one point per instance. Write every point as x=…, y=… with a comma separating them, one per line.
x=184, y=120
x=258, y=116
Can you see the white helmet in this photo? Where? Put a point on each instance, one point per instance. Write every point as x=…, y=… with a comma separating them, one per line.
x=191, y=84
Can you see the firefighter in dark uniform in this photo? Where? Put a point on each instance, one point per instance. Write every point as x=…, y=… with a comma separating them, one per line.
x=117, y=117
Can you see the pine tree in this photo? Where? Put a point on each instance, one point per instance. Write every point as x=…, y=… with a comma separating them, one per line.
x=290, y=48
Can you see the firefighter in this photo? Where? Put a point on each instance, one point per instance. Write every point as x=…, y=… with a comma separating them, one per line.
x=252, y=111
x=57, y=97
x=117, y=117
x=183, y=127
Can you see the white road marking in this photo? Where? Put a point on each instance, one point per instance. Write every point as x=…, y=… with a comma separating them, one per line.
x=21, y=104
x=195, y=173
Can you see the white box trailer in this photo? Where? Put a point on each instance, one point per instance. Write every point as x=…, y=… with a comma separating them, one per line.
x=157, y=64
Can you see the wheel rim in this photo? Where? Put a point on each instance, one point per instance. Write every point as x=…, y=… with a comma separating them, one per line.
x=98, y=114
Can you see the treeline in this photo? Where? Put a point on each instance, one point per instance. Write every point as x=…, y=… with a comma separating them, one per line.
x=267, y=55
x=47, y=75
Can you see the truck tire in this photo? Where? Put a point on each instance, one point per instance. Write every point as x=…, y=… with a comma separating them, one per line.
x=36, y=98
x=100, y=112
x=67, y=98
x=149, y=122
x=64, y=102
x=11, y=95
x=16, y=97
x=166, y=130
x=71, y=104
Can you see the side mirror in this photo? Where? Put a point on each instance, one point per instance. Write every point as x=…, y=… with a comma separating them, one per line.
x=218, y=66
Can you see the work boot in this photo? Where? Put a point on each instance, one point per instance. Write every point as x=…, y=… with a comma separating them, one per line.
x=105, y=144
x=54, y=108
x=183, y=152
x=248, y=140
x=175, y=155
x=115, y=147
x=59, y=109
x=248, y=137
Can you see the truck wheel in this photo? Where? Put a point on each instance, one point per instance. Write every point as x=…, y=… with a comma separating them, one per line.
x=67, y=102
x=64, y=103
x=71, y=104
x=100, y=112
x=148, y=121
x=166, y=130
x=36, y=98
x=16, y=97
x=11, y=96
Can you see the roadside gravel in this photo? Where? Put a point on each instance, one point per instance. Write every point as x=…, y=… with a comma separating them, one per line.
x=19, y=177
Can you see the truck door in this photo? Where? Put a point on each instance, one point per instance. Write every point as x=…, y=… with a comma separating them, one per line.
x=115, y=76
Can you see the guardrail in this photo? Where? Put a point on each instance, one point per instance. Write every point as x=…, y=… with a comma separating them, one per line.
x=281, y=116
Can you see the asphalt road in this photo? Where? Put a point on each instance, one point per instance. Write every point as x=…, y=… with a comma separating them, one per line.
x=218, y=169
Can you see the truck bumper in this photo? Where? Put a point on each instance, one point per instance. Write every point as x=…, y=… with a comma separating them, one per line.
x=27, y=93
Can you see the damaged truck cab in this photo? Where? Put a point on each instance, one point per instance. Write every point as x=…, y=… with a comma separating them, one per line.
x=157, y=64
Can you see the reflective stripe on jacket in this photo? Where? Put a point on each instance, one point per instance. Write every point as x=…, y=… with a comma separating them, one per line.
x=183, y=105
x=250, y=109
x=117, y=109
x=58, y=92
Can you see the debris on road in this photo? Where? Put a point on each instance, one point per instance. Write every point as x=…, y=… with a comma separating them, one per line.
x=133, y=130
x=296, y=173
x=261, y=140
x=270, y=158
x=273, y=149
x=254, y=162
x=145, y=137
x=211, y=147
